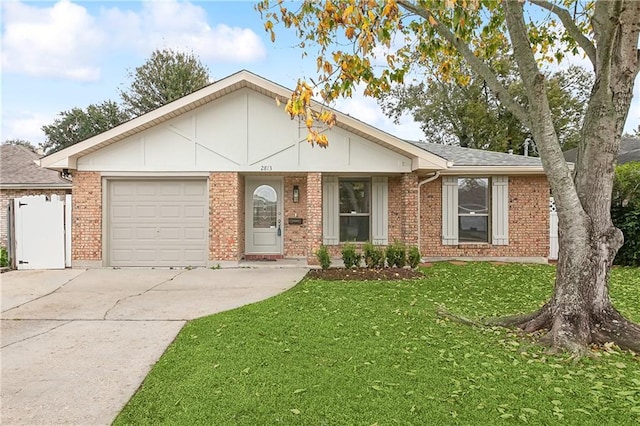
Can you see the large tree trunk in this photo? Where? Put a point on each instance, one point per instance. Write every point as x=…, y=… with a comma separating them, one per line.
x=580, y=312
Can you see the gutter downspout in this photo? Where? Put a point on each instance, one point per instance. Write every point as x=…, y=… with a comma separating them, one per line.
x=431, y=178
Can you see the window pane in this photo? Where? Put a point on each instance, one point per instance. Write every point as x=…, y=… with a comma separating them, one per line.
x=265, y=207
x=354, y=196
x=473, y=229
x=473, y=196
x=354, y=228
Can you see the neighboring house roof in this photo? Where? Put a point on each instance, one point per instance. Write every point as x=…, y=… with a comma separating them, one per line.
x=19, y=170
x=425, y=157
x=629, y=151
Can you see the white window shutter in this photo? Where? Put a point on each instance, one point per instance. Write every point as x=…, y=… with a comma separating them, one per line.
x=330, y=211
x=380, y=210
x=449, y=210
x=500, y=210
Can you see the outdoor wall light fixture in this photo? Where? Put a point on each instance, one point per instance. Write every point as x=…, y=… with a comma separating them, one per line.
x=296, y=193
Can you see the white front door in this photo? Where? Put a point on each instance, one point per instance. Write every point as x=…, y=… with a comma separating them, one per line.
x=264, y=225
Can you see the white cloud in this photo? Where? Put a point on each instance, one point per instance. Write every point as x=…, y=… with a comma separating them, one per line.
x=182, y=26
x=65, y=40
x=366, y=109
x=25, y=125
x=58, y=41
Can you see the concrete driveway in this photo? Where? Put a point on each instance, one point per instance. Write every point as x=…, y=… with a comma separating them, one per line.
x=76, y=344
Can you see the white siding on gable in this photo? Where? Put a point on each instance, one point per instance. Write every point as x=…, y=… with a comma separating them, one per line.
x=500, y=210
x=380, y=210
x=220, y=132
x=245, y=132
x=273, y=136
x=449, y=210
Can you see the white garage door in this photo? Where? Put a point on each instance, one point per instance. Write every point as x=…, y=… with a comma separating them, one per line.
x=158, y=223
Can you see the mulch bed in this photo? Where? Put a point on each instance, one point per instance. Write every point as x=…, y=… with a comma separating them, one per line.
x=364, y=274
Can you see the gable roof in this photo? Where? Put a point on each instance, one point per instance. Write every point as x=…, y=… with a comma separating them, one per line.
x=629, y=151
x=19, y=170
x=67, y=158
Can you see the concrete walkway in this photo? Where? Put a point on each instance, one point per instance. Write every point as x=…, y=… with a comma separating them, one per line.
x=76, y=344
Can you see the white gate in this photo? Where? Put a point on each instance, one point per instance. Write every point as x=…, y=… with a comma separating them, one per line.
x=553, y=230
x=41, y=240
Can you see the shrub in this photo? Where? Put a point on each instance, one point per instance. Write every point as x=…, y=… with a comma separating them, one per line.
x=373, y=256
x=414, y=257
x=4, y=257
x=625, y=212
x=396, y=255
x=323, y=257
x=350, y=257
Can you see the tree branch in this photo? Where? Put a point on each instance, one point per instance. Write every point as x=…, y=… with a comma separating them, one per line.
x=571, y=27
x=473, y=61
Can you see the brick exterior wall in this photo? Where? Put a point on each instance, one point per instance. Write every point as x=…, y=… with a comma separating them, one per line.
x=8, y=194
x=528, y=222
x=295, y=236
x=528, y=217
x=409, y=208
x=226, y=205
x=86, y=217
x=314, y=215
x=396, y=218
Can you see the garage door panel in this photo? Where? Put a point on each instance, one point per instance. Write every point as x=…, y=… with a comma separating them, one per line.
x=171, y=190
x=194, y=189
x=145, y=189
x=146, y=212
x=121, y=211
x=195, y=212
x=197, y=234
x=148, y=234
x=158, y=223
x=170, y=212
x=122, y=233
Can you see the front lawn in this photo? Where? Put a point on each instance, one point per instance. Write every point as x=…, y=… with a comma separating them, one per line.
x=364, y=353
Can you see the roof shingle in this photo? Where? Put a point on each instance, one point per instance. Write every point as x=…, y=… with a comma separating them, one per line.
x=17, y=167
x=460, y=156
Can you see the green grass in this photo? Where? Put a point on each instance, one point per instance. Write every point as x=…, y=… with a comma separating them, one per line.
x=363, y=353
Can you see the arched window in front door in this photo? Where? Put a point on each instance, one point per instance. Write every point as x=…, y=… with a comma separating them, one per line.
x=265, y=207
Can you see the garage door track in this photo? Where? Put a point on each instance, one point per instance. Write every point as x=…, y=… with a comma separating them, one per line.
x=76, y=344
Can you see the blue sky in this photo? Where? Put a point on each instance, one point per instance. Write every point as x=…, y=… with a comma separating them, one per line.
x=57, y=55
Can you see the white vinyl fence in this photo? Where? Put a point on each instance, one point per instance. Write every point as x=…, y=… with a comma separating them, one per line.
x=40, y=232
x=553, y=230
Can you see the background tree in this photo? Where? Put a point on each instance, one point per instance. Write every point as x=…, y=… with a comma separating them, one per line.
x=166, y=76
x=79, y=124
x=21, y=142
x=354, y=37
x=470, y=115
